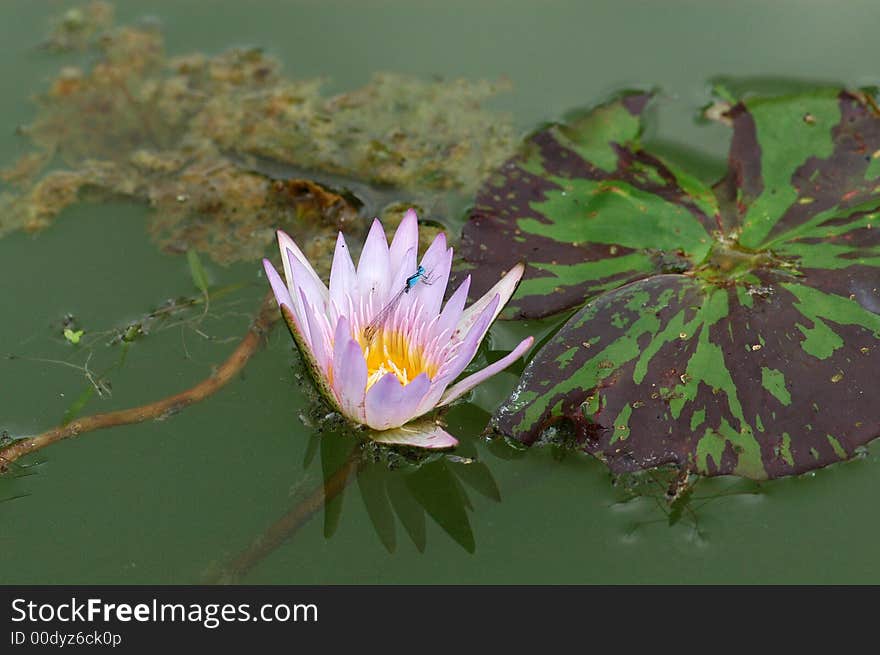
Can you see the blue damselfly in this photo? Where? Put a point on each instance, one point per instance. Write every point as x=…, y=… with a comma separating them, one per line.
x=419, y=276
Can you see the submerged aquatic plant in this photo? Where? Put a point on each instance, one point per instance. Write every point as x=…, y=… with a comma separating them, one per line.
x=379, y=346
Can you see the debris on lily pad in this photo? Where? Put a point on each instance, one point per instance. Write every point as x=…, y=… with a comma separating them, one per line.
x=187, y=135
x=727, y=330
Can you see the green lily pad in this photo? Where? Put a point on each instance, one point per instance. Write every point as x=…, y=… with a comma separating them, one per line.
x=588, y=210
x=759, y=355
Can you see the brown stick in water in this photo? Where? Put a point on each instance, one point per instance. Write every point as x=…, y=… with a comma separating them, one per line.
x=265, y=319
x=286, y=526
x=279, y=531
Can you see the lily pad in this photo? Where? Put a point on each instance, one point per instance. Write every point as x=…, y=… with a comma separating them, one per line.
x=759, y=355
x=588, y=210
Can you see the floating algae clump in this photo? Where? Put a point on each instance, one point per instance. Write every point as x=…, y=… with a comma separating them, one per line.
x=75, y=28
x=396, y=130
x=194, y=136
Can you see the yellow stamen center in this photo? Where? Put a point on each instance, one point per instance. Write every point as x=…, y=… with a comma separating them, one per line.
x=389, y=352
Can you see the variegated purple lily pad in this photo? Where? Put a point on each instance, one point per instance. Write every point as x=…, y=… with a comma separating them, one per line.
x=727, y=330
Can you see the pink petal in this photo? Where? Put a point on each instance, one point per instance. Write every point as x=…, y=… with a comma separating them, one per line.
x=319, y=339
x=400, y=276
x=433, y=292
x=342, y=332
x=462, y=387
x=285, y=243
x=503, y=289
x=436, y=262
x=279, y=288
x=343, y=277
x=389, y=404
x=471, y=342
x=302, y=286
x=373, y=269
x=308, y=356
x=405, y=245
x=451, y=369
x=315, y=361
x=431, y=436
x=316, y=292
x=451, y=313
x=438, y=386
x=349, y=372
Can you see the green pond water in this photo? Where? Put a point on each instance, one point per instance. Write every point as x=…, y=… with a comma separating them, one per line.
x=173, y=501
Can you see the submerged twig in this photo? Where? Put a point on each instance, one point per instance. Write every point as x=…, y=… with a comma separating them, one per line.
x=263, y=322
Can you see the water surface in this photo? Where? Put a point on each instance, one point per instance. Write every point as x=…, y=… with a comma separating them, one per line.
x=171, y=501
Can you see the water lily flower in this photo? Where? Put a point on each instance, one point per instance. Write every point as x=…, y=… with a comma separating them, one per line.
x=380, y=344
